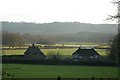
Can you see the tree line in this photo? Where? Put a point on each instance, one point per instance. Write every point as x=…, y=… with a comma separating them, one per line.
x=115, y=46
x=17, y=39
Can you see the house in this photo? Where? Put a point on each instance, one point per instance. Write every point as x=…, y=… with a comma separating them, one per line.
x=85, y=54
x=33, y=52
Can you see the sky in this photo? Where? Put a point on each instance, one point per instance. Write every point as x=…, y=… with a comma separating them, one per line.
x=47, y=11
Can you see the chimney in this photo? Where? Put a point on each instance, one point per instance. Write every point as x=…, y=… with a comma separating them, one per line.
x=33, y=45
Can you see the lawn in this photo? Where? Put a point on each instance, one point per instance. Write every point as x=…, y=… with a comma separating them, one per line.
x=50, y=71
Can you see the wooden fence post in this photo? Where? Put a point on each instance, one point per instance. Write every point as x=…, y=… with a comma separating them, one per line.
x=109, y=79
x=92, y=78
x=101, y=79
x=78, y=79
x=58, y=78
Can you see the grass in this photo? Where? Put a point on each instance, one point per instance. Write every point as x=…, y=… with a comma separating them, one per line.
x=13, y=52
x=66, y=51
x=102, y=52
x=59, y=51
x=47, y=71
x=50, y=51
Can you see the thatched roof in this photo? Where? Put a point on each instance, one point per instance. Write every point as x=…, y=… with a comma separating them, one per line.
x=34, y=50
x=85, y=52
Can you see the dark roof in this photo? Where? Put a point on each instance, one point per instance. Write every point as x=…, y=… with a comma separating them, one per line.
x=34, y=50
x=85, y=52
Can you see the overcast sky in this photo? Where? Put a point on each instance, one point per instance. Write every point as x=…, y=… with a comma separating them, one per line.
x=40, y=11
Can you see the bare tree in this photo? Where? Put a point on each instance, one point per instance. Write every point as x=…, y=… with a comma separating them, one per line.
x=115, y=52
x=12, y=39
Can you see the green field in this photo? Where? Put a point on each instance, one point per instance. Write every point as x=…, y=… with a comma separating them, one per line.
x=68, y=51
x=50, y=71
x=60, y=51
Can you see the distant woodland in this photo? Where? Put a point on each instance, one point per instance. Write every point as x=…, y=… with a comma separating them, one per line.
x=56, y=32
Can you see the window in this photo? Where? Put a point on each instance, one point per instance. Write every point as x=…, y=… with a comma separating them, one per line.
x=80, y=57
x=91, y=57
x=96, y=56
